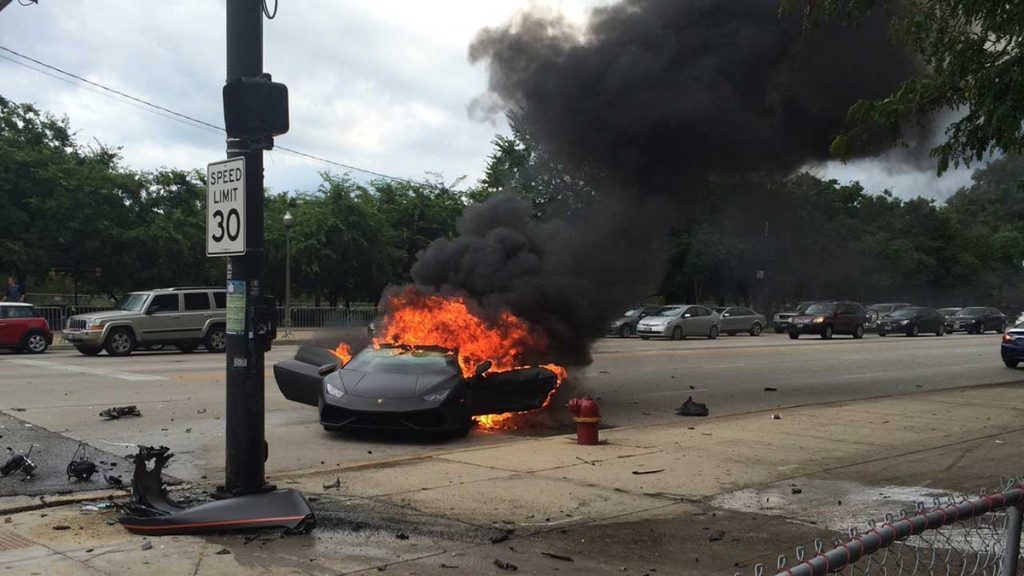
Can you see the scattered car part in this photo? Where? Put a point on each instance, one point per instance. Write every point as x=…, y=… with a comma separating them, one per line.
x=152, y=511
x=691, y=408
x=81, y=467
x=116, y=412
x=587, y=416
x=19, y=462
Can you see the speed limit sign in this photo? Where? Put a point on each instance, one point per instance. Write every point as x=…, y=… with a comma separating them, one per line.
x=225, y=208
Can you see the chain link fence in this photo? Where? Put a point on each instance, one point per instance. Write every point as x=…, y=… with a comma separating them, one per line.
x=965, y=537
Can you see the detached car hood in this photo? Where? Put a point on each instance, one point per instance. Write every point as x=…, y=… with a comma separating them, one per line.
x=388, y=386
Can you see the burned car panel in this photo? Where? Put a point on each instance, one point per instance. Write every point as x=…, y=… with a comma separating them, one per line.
x=401, y=388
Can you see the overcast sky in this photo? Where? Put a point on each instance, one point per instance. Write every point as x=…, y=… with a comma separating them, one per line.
x=379, y=84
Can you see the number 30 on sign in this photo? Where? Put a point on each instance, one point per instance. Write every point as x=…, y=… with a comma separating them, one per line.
x=225, y=208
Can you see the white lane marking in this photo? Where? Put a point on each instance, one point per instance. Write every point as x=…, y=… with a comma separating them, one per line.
x=84, y=370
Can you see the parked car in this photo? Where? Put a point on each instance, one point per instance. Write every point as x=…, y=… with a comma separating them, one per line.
x=22, y=328
x=976, y=320
x=183, y=317
x=738, y=319
x=876, y=311
x=782, y=319
x=626, y=326
x=401, y=388
x=912, y=322
x=947, y=312
x=679, y=321
x=1012, y=348
x=829, y=318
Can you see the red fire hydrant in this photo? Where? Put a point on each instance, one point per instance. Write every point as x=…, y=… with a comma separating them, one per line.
x=587, y=417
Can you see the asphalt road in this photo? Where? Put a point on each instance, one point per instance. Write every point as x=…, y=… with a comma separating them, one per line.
x=181, y=396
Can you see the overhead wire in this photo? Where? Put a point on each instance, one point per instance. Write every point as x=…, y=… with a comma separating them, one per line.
x=167, y=113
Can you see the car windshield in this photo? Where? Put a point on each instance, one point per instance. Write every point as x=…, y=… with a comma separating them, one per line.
x=132, y=302
x=881, y=308
x=823, y=308
x=668, y=311
x=720, y=310
x=632, y=312
x=803, y=306
x=401, y=361
x=905, y=313
x=971, y=312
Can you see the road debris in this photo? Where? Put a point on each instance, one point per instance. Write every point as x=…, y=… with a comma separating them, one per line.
x=643, y=472
x=691, y=408
x=115, y=412
x=402, y=536
x=333, y=485
x=505, y=535
x=61, y=527
x=506, y=565
x=19, y=462
x=147, y=545
x=80, y=467
x=222, y=552
x=114, y=480
x=561, y=557
x=716, y=535
x=795, y=490
x=770, y=389
x=776, y=417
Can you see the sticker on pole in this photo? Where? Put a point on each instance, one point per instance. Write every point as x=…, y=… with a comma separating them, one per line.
x=225, y=208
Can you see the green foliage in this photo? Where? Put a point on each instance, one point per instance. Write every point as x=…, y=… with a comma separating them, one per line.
x=971, y=53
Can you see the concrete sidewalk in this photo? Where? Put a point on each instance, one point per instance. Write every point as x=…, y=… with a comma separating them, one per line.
x=645, y=501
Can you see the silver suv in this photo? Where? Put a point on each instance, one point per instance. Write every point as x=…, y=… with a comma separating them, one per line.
x=182, y=317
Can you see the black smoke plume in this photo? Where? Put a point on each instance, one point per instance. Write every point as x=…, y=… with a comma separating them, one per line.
x=659, y=95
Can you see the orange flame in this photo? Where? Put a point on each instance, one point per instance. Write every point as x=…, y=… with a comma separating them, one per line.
x=343, y=351
x=416, y=319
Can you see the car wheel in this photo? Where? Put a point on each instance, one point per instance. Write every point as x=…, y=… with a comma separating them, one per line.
x=89, y=350
x=794, y=335
x=755, y=330
x=915, y=331
x=858, y=332
x=216, y=340
x=827, y=333
x=187, y=348
x=120, y=342
x=780, y=330
x=625, y=331
x=34, y=343
x=1001, y=328
x=713, y=333
x=941, y=331
x=677, y=333
x=1010, y=363
x=645, y=337
x=882, y=334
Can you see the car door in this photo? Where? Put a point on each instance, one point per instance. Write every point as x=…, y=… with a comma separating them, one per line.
x=730, y=320
x=690, y=321
x=161, y=321
x=7, y=328
x=513, y=391
x=845, y=318
x=198, y=309
x=742, y=319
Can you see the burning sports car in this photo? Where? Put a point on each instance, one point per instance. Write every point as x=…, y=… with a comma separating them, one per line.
x=408, y=388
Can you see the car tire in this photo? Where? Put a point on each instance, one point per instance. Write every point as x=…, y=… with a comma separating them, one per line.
x=941, y=331
x=915, y=331
x=677, y=333
x=187, y=348
x=827, y=333
x=89, y=350
x=216, y=340
x=625, y=331
x=882, y=334
x=1010, y=363
x=34, y=343
x=645, y=337
x=794, y=335
x=713, y=333
x=120, y=342
x=755, y=330
x=780, y=330
x=1001, y=328
x=858, y=332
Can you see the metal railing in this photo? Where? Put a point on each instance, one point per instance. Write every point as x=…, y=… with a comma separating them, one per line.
x=57, y=316
x=976, y=537
x=309, y=317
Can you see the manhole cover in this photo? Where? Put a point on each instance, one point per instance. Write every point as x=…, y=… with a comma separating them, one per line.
x=11, y=541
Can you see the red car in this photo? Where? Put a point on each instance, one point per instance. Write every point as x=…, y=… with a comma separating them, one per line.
x=22, y=329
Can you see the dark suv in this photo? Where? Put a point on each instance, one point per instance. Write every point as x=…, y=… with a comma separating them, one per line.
x=828, y=318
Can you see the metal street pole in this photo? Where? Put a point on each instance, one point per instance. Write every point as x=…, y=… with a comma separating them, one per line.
x=245, y=443
x=288, y=221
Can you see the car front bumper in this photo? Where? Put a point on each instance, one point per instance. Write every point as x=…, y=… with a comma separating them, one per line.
x=893, y=329
x=84, y=337
x=355, y=412
x=962, y=326
x=1013, y=352
x=642, y=330
x=807, y=327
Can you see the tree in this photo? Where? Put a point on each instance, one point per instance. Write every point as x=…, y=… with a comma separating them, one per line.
x=971, y=53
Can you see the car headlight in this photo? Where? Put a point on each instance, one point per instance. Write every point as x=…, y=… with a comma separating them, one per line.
x=819, y=320
x=437, y=396
x=93, y=324
x=333, y=390
x=904, y=322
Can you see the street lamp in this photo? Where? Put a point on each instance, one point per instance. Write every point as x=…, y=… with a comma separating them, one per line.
x=288, y=222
